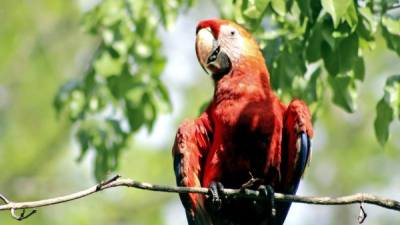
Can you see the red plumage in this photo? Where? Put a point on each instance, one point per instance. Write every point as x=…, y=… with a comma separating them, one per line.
x=246, y=131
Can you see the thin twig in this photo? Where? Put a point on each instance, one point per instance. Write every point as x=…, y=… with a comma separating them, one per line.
x=5, y=200
x=362, y=215
x=396, y=6
x=116, y=181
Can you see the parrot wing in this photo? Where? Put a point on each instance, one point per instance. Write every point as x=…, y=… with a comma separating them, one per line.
x=192, y=143
x=296, y=151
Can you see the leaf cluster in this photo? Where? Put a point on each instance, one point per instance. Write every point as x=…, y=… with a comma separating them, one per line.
x=121, y=91
x=312, y=45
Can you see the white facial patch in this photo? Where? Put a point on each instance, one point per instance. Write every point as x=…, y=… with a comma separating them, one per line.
x=231, y=42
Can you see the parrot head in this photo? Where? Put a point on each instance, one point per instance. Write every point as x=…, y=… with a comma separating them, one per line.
x=222, y=44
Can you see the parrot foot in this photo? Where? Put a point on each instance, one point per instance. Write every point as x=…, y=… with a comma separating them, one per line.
x=216, y=190
x=268, y=193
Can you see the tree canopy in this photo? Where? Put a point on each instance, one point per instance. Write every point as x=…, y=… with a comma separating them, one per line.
x=313, y=49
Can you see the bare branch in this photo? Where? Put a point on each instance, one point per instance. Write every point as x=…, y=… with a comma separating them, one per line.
x=116, y=181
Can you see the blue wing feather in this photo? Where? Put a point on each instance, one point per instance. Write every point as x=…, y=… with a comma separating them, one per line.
x=177, y=168
x=304, y=154
x=303, y=157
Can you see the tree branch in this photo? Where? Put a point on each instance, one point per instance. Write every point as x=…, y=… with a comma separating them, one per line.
x=116, y=181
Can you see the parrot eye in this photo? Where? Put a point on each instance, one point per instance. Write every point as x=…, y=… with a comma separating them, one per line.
x=232, y=32
x=213, y=55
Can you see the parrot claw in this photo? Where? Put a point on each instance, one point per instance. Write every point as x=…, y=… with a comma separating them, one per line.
x=268, y=193
x=216, y=190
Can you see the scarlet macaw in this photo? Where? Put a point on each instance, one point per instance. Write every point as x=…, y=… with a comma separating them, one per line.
x=245, y=134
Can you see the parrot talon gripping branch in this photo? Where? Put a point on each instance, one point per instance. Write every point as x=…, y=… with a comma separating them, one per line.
x=216, y=195
x=268, y=194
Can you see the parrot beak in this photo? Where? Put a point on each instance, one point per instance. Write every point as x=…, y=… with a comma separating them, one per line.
x=205, y=44
x=213, y=60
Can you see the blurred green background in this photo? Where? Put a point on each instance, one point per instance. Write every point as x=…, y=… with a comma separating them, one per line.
x=42, y=46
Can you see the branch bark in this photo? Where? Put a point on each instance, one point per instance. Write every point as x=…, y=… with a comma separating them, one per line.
x=116, y=181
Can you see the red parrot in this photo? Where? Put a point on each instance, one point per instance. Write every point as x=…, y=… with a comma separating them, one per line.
x=246, y=138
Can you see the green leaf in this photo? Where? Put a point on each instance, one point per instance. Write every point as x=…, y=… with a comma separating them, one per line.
x=392, y=25
x=100, y=164
x=256, y=8
x=290, y=54
x=279, y=6
x=331, y=60
x=341, y=59
x=344, y=91
x=337, y=9
x=392, y=41
x=313, y=49
x=121, y=47
x=108, y=36
x=261, y=4
x=305, y=87
x=157, y=66
x=84, y=140
x=387, y=108
x=359, y=69
x=106, y=65
x=391, y=33
x=368, y=20
x=76, y=104
x=384, y=116
x=238, y=11
x=311, y=94
x=121, y=85
x=305, y=8
x=149, y=110
x=168, y=12
x=351, y=16
x=347, y=52
x=327, y=31
x=142, y=50
x=366, y=28
x=64, y=95
x=135, y=114
x=252, y=12
x=91, y=20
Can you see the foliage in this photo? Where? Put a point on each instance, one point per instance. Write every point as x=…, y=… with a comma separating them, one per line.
x=308, y=45
x=122, y=84
x=312, y=35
